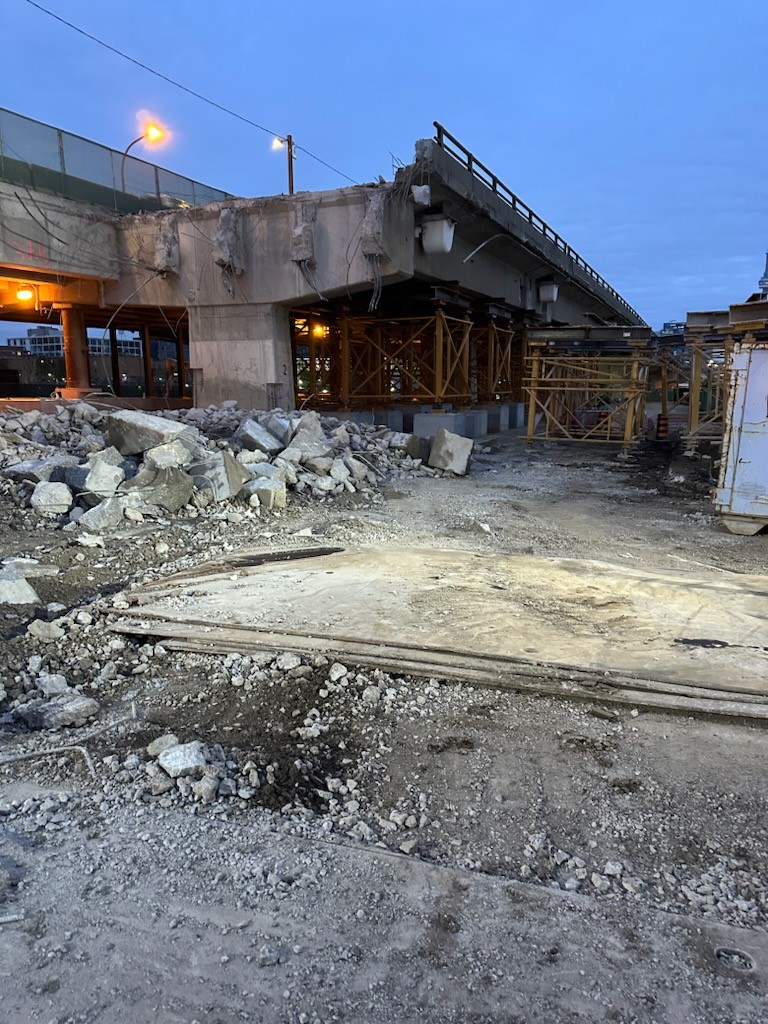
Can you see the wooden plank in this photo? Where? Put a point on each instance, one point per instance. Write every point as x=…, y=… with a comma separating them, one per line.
x=485, y=670
x=574, y=691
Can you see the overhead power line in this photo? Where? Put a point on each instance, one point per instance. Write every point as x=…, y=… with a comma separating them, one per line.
x=185, y=88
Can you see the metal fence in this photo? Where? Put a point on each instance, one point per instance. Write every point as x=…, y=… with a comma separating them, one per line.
x=459, y=152
x=39, y=156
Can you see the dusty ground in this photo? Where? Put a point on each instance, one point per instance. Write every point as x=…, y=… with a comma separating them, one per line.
x=430, y=852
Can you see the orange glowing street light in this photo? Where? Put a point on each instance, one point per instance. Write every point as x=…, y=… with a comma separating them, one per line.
x=153, y=132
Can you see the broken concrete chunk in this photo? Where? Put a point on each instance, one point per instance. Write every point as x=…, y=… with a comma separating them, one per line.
x=109, y=455
x=182, y=760
x=162, y=743
x=14, y=589
x=171, y=455
x=107, y=515
x=269, y=471
x=30, y=567
x=101, y=481
x=131, y=431
x=339, y=471
x=271, y=493
x=51, y=499
x=450, y=452
x=207, y=788
x=169, y=488
x=67, y=709
x=46, y=632
x=281, y=427
x=358, y=469
x=305, y=444
x=311, y=424
x=320, y=465
x=41, y=470
x=52, y=684
x=254, y=437
x=221, y=474
x=250, y=458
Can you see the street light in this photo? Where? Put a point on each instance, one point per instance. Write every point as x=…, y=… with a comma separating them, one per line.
x=278, y=143
x=152, y=133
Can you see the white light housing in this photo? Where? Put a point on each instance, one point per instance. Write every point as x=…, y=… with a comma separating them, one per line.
x=548, y=291
x=437, y=235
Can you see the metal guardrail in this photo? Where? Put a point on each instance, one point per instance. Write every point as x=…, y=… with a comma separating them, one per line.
x=451, y=145
x=42, y=157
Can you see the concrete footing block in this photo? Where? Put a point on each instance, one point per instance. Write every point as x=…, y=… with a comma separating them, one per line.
x=498, y=417
x=475, y=423
x=428, y=424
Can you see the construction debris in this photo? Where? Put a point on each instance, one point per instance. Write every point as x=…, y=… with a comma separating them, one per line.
x=92, y=468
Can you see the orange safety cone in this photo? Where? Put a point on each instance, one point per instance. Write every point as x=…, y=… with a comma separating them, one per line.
x=662, y=427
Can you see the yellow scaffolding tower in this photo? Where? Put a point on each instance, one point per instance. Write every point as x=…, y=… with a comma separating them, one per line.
x=586, y=398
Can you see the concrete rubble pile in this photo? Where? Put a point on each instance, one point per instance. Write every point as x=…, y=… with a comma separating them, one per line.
x=91, y=469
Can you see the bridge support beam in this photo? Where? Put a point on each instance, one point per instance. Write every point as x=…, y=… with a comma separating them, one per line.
x=76, y=366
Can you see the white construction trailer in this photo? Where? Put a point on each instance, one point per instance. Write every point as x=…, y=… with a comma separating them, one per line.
x=741, y=497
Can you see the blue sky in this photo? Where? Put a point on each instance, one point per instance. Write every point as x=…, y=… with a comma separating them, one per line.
x=637, y=130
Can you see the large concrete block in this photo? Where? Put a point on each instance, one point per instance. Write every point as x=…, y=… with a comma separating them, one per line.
x=428, y=424
x=131, y=431
x=475, y=423
x=450, y=452
x=518, y=412
x=254, y=437
x=498, y=417
x=408, y=412
x=393, y=419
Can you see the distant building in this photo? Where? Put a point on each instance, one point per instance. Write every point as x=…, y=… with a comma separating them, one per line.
x=48, y=343
x=673, y=327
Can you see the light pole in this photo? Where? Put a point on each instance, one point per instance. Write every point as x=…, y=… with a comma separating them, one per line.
x=152, y=133
x=278, y=143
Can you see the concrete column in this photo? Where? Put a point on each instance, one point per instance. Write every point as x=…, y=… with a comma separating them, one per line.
x=242, y=352
x=76, y=366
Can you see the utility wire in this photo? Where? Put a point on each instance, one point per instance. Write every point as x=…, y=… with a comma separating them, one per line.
x=185, y=88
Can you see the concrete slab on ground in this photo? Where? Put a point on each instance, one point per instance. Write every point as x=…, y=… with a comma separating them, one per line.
x=687, y=627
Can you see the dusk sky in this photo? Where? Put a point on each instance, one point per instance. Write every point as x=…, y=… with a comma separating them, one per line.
x=637, y=130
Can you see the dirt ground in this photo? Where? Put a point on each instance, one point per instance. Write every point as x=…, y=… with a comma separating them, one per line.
x=411, y=850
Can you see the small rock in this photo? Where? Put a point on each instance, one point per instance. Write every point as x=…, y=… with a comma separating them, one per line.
x=45, y=632
x=182, y=760
x=288, y=660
